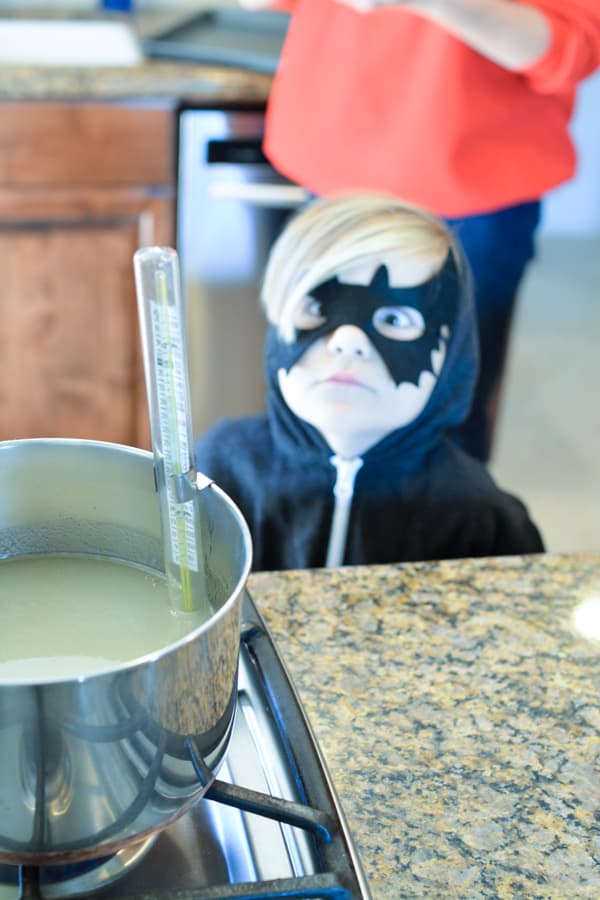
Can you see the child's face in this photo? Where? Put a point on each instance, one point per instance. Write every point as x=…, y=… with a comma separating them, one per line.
x=352, y=391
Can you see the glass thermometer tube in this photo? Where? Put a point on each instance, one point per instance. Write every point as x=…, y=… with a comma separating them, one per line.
x=167, y=385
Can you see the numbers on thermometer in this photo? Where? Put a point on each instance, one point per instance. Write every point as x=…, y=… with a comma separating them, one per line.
x=172, y=415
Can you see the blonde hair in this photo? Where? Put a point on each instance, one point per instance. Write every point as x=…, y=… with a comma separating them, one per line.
x=344, y=230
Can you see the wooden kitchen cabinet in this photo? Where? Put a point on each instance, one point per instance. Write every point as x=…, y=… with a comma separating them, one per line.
x=82, y=185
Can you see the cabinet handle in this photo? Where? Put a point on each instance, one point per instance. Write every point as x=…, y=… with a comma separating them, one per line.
x=257, y=194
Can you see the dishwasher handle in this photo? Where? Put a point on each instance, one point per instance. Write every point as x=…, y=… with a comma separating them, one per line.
x=283, y=196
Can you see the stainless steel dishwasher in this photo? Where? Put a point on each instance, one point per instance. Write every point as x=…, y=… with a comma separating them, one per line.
x=231, y=207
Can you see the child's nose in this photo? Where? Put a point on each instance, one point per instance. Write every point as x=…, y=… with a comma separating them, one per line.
x=350, y=341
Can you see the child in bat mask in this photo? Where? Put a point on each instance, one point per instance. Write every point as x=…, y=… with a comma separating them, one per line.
x=370, y=357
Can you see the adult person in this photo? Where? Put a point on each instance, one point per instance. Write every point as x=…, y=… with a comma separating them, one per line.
x=370, y=357
x=459, y=106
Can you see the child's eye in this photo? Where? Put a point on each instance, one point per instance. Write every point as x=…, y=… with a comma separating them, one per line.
x=309, y=314
x=399, y=323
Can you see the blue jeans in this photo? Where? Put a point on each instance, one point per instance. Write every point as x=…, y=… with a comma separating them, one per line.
x=498, y=246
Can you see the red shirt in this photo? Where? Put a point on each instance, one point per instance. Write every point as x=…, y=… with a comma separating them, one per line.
x=389, y=101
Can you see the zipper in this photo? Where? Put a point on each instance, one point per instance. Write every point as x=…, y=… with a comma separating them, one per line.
x=343, y=492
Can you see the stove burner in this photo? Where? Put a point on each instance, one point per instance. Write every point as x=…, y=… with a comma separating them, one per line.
x=74, y=879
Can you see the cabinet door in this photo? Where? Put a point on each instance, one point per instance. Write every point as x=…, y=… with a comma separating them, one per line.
x=69, y=339
x=85, y=143
x=79, y=183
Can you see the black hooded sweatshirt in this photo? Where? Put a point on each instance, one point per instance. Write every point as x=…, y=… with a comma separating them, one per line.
x=416, y=496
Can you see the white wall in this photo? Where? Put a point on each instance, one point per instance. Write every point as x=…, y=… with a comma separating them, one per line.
x=574, y=208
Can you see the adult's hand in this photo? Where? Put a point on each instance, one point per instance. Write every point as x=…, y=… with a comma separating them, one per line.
x=513, y=35
x=256, y=4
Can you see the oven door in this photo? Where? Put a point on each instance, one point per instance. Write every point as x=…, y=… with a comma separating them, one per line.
x=232, y=205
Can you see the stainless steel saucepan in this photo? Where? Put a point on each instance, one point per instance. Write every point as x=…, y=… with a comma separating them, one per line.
x=90, y=764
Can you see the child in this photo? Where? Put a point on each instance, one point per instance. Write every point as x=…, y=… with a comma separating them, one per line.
x=370, y=358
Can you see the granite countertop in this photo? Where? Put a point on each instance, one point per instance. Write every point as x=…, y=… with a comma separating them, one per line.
x=154, y=78
x=456, y=705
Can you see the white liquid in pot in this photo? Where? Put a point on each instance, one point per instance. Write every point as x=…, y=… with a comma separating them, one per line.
x=67, y=616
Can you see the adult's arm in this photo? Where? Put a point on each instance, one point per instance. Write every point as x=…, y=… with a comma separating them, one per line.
x=513, y=35
x=554, y=44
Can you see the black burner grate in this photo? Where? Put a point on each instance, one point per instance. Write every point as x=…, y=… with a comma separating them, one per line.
x=323, y=886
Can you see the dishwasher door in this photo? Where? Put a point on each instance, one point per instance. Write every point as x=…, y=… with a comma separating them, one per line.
x=232, y=205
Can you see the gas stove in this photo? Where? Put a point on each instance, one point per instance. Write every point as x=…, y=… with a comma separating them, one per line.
x=270, y=826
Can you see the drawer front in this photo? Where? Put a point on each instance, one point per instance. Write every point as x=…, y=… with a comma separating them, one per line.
x=73, y=144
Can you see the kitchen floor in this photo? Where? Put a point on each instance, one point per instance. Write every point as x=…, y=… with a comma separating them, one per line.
x=547, y=448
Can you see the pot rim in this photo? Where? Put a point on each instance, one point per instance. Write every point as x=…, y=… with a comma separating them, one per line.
x=154, y=655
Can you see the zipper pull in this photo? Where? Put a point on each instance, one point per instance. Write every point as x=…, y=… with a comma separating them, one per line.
x=347, y=470
x=343, y=491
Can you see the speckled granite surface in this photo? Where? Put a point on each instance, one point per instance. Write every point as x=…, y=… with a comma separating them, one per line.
x=457, y=706
x=179, y=81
